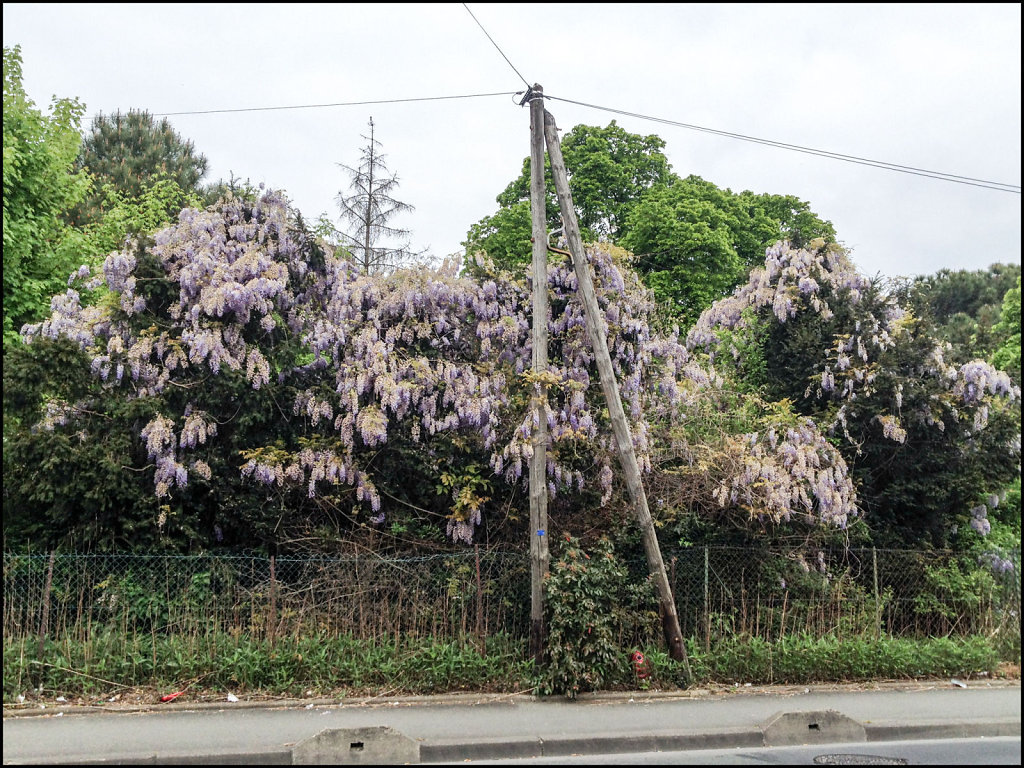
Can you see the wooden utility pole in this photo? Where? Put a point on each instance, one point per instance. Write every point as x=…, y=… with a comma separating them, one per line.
x=538, y=462
x=623, y=439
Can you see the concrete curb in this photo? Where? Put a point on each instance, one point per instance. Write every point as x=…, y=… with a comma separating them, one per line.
x=478, y=699
x=954, y=729
x=489, y=749
x=613, y=743
x=726, y=738
x=266, y=757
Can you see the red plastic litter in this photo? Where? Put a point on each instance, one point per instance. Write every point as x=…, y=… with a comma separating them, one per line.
x=171, y=696
x=640, y=665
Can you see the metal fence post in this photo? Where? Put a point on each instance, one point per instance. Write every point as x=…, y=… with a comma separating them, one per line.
x=878, y=601
x=272, y=618
x=707, y=603
x=45, y=620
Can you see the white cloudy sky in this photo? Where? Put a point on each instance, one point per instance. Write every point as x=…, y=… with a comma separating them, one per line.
x=935, y=87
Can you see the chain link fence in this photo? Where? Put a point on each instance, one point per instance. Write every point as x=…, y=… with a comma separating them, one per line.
x=443, y=596
x=729, y=592
x=719, y=592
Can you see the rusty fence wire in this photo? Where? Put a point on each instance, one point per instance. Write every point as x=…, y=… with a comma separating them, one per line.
x=719, y=593
x=728, y=592
x=443, y=596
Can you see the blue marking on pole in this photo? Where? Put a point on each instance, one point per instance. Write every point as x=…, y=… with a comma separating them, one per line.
x=540, y=531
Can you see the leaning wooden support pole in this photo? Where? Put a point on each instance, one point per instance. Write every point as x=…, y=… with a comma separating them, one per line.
x=620, y=426
x=538, y=463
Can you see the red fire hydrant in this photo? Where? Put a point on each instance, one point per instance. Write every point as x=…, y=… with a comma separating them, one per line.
x=640, y=666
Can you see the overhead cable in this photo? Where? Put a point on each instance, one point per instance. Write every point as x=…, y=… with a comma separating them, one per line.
x=994, y=185
x=335, y=104
x=496, y=45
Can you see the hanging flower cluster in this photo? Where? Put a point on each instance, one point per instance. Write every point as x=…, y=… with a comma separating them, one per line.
x=234, y=269
x=877, y=370
x=797, y=472
x=237, y=291
x=857, y=364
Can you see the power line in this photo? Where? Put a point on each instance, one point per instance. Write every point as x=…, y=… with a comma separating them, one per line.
x=495, y=45
x=335, y=104
x=994, y=185
x=968, y=180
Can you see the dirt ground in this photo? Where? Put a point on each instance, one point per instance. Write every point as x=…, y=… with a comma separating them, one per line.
x=136, y=699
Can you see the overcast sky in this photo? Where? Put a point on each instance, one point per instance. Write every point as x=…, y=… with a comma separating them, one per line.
x=935, y=87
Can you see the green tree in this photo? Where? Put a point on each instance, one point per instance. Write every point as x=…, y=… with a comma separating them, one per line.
x=964, y=306
x=949, y=292
x=40, y=184
x=123, y=216
x=609, y=170
x=924, y=437
x=129, y=153
x=796, y=222
x=1007, y=356
x=503, y=236
x=368, y=208
x=693, y=241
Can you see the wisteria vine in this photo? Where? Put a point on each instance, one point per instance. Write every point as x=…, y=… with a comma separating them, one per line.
x=224, y=291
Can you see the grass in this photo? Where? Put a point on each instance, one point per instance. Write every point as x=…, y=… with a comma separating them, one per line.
x=211, y=665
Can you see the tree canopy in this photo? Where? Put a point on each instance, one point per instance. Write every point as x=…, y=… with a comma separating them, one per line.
x=260, y=386
x=40, y=184
x=127, y=153
x=375, y=244
x=964, y=306
x=1007, y=355
x=693, y=241
x=924, y=438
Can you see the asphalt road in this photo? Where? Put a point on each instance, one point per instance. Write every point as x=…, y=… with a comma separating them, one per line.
x=454, y=729
x=1003, y=750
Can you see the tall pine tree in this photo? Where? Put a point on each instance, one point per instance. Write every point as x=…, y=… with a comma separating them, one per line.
x=376, y=246
x=130, y=152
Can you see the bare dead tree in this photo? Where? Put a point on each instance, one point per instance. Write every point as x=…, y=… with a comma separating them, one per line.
x=367, y=211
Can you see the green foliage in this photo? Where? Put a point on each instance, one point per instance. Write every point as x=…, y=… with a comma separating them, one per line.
x=609, y=170
x=1008, y=513
x=986, y=574
x=804, y=659
x=954, y=590
x=685, y=249
x=965, y=307
x=693, y=241
x=237, y=189
x=1007, y=331
x=589, y=602
x=123, y=216
x=208, y=665
x=336, y=665
x=40, y=184
x=464, y=488
x=72, y=487
x=950, y=292
x=796, y=222
x=128, y=153
x=504, y=236
x=924, y=438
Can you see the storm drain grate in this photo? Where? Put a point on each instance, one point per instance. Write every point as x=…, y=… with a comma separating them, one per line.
x=858, y=760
